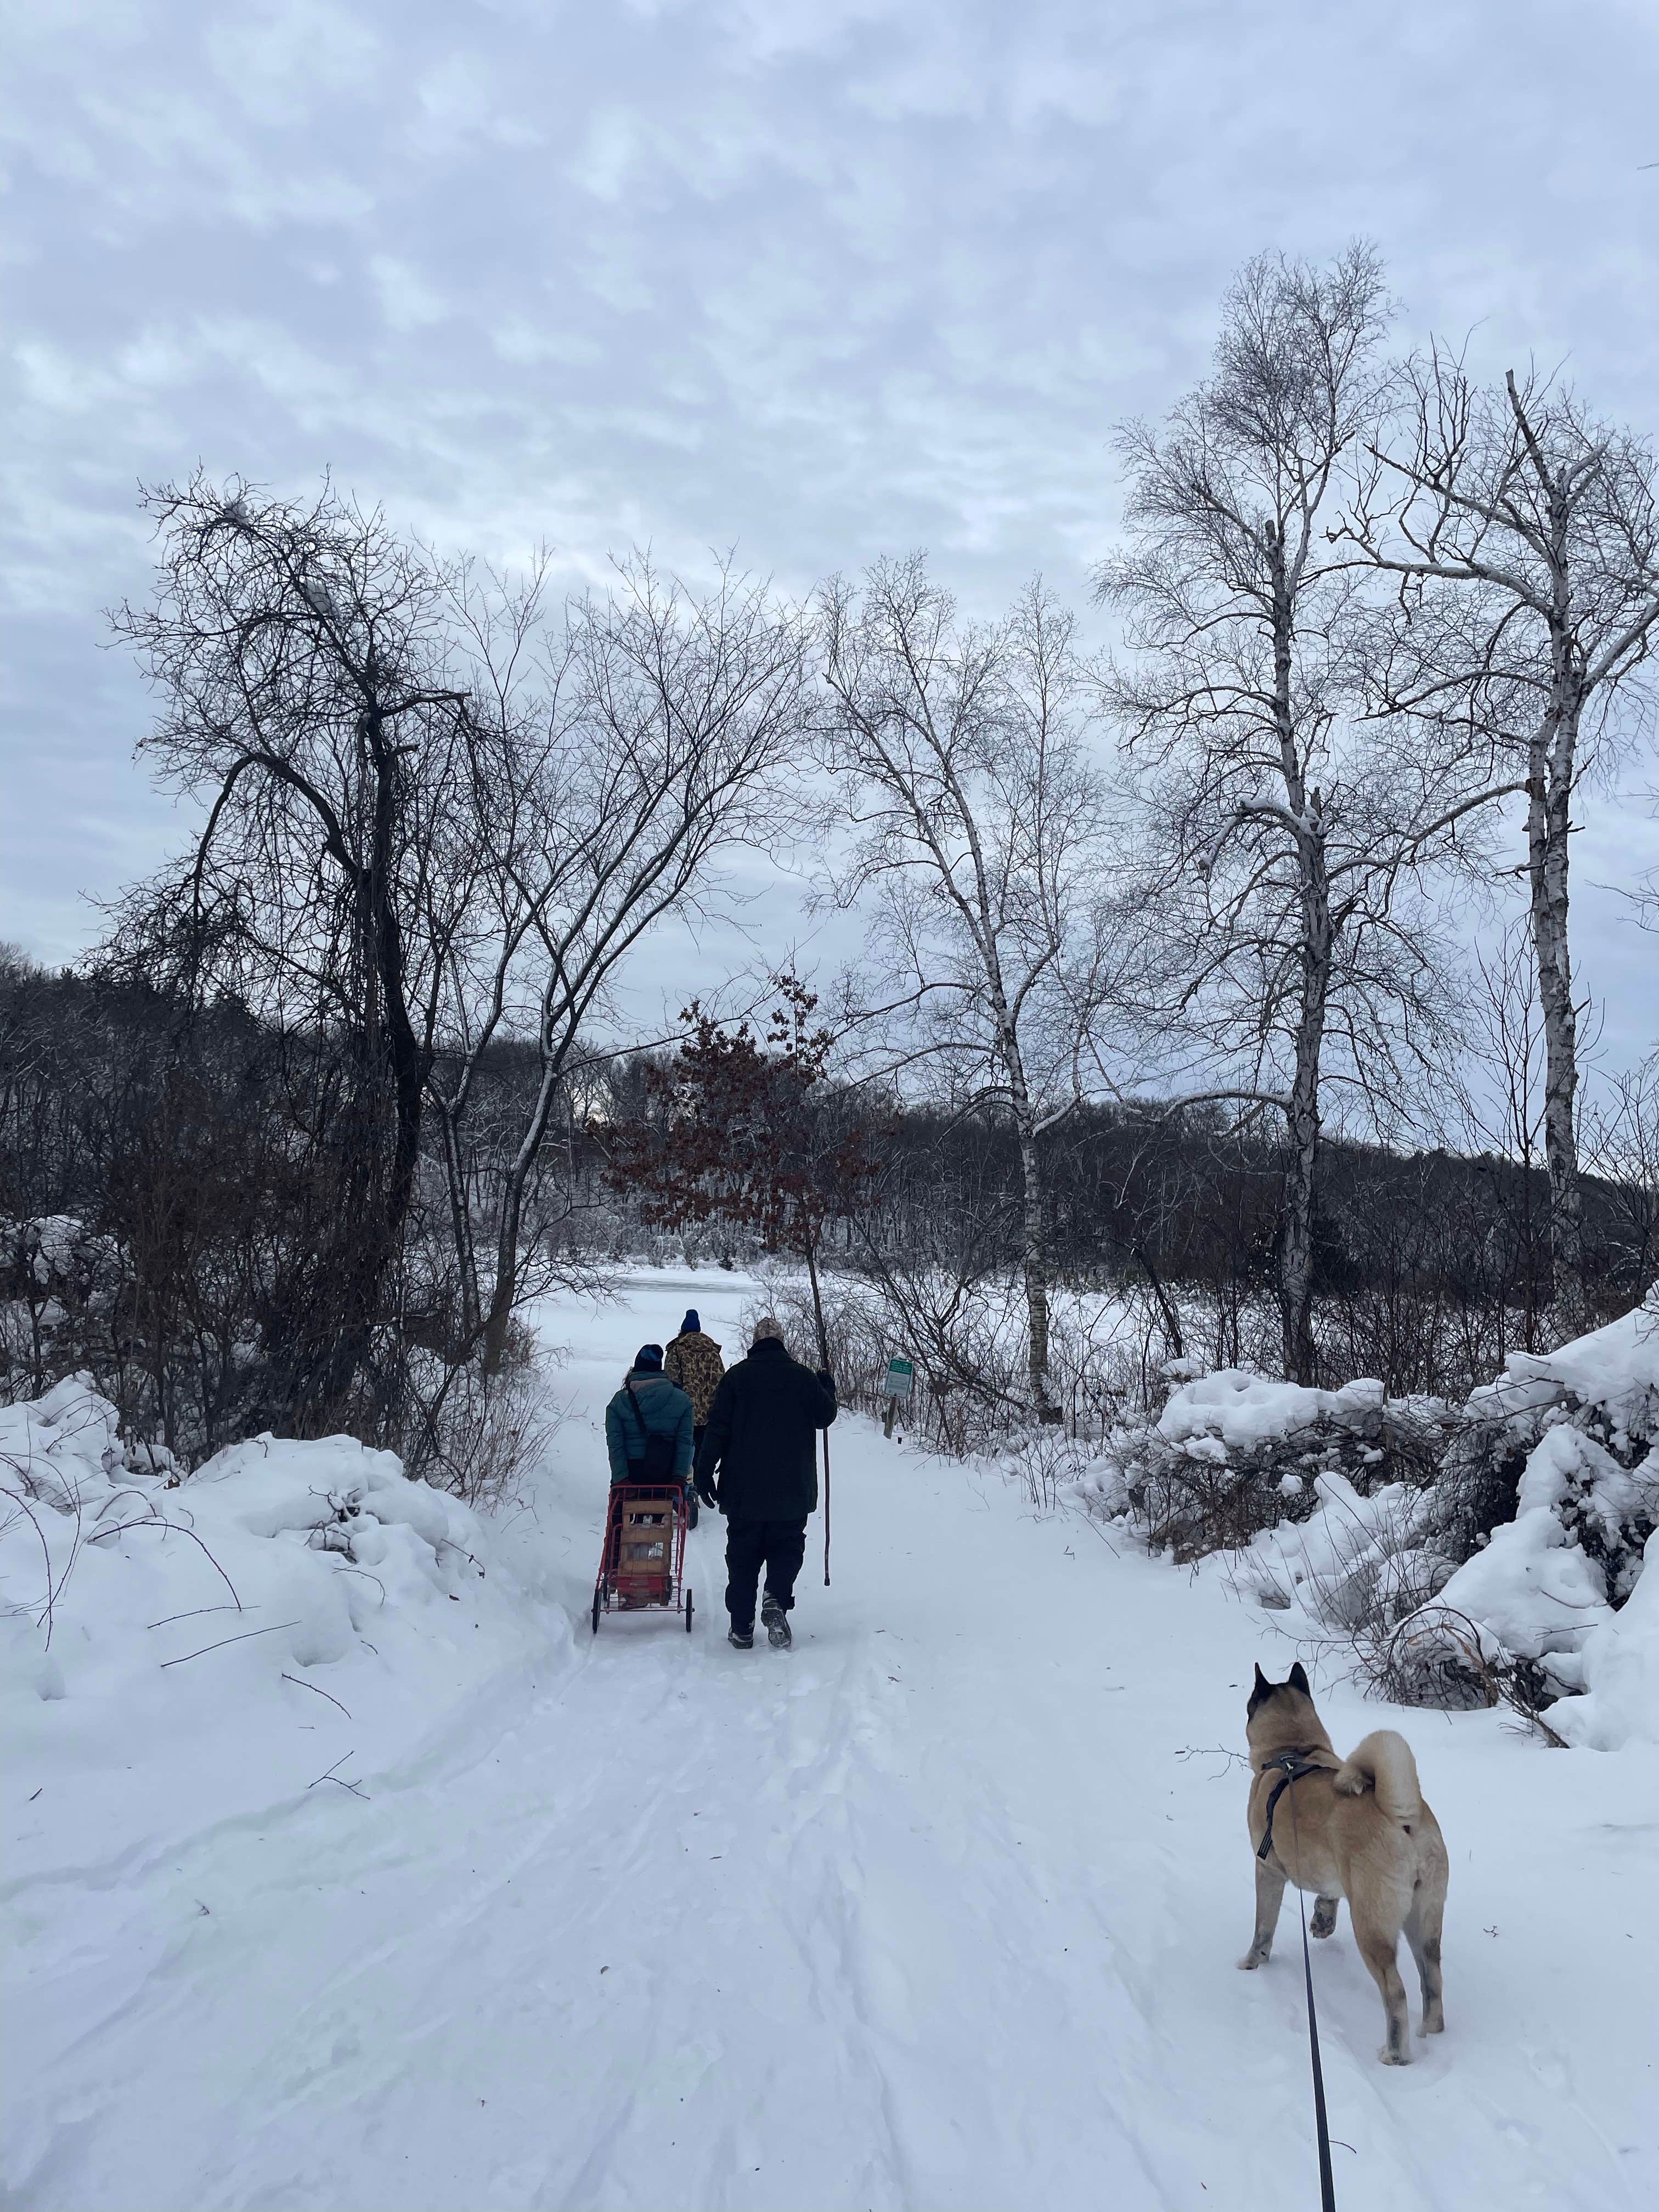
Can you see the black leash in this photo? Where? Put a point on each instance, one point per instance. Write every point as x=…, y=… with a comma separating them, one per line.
x=1293, y=1768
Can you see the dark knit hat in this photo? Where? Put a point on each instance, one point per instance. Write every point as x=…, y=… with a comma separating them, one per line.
x=691, y=1325
x=648, y=1357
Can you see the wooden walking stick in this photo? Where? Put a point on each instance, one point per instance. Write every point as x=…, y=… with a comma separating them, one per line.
x=824, y=1361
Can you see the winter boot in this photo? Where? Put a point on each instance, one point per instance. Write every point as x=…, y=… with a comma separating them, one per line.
x=742, y=1637
x=777, y=1623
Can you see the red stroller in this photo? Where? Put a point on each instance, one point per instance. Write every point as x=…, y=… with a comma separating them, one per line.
x=643, y=1563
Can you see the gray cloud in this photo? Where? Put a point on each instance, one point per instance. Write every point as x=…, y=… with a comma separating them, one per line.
x=815, y=277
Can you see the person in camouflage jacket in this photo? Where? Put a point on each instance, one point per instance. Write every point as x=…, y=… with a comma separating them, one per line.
x=693, y=1360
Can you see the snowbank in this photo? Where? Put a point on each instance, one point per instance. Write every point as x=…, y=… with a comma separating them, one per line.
x=1561, y=1587
x=1392, y=1520
x=1621, y=1665
x=1532, y=1589
x=1555, y=1584
x=181, y=1649
x=1615, y=1367
x=1359, y=1558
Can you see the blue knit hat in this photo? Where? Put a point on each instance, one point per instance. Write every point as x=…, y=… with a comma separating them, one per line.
x=691, y=1325
x=648, y=1357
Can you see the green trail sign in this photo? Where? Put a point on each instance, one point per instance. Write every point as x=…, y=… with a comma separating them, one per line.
x=900, y=1381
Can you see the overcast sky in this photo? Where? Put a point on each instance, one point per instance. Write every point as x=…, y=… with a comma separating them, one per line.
x=815, y=278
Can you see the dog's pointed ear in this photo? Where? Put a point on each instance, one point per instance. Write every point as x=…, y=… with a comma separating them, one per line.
x=1261, y=1681
x=1299, y=1680
x=1260, y=1688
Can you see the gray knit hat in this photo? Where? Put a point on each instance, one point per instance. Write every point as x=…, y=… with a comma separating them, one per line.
x=769, y=1325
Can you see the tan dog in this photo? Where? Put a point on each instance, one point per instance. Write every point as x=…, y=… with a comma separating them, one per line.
x=1354, y=1827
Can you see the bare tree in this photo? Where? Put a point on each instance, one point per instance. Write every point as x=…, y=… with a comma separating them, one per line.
x=1286, y=839
x=479, y=996
x=646, y=735
x=309, y=706
x=436, y=822
x=980, y=825
x=1501, y=1109
x=1524, y=533
x=1621, y=1141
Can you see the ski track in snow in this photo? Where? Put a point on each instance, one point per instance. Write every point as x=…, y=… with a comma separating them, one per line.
x=927, y=1913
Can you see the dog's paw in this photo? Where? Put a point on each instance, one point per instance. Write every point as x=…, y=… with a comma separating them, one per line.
x=1324, y=1920
x=1433, y=2024
x=1395, y=2057
x=1251, y=1961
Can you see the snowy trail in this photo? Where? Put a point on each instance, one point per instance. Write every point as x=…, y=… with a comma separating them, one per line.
x=927, y=1913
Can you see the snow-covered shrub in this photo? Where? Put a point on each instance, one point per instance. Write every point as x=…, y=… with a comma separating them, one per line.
x=967, y=1341
x=1544, y=1589
x=1358, y=1562
x=84, y=1510
x=1619, y=1663
x=1232, y=1454
x=202, y=1636
x=476, y=1435
x=1466, y=1555
x=1047, y=1464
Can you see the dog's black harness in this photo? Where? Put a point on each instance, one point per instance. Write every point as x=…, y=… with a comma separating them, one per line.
x=1292, y=1767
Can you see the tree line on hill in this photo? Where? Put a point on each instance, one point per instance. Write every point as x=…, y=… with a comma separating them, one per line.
x=210, y=1163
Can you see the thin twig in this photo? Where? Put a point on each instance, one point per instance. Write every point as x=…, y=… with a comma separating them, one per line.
x=1213, y=1751
x=196, y=1610
x=178, y=1529
x=245, y=1637
x=28, y=1507
x=366, y=1577
x=1089, y=1522
x=315, y=1691
x=356, y=1787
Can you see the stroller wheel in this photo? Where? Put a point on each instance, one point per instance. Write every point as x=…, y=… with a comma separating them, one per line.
x=691, y=1511
x=596, y=1613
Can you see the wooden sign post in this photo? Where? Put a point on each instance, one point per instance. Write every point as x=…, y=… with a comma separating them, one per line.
x=901, y=1381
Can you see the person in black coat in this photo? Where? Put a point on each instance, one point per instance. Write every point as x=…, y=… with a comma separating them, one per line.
x=758, y=1462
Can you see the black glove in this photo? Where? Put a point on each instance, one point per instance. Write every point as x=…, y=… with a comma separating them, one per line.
x=706, y=1491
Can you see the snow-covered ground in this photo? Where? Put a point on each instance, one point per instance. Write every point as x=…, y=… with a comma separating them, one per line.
x=938, y=1910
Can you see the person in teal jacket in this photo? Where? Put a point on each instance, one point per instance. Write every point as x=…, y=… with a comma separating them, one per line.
x=648, y=1406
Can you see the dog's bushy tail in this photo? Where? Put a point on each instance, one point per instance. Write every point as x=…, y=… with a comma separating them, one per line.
x=1383, y=1763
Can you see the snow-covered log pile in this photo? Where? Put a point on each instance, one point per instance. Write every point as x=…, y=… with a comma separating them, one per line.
x=215, y=1634
x=1502, y=1540
x=1233, y=1453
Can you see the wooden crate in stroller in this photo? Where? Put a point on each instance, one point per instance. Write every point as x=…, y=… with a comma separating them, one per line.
x=644, y=1559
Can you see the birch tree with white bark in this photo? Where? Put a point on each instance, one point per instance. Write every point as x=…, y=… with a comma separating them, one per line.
x=1287, y=838
x=1524, y=534
x=980, y=828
